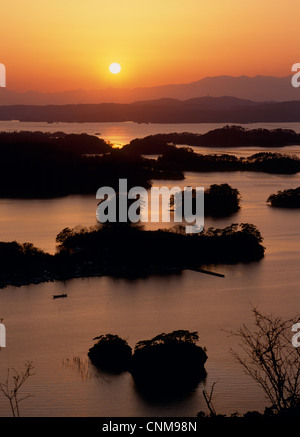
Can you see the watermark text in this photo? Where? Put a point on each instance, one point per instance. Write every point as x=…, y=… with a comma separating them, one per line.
x=296, y=337
x=2, y=76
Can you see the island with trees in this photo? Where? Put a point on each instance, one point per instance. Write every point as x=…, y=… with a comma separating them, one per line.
x=220, y=200
x=165, y=366
x=227, y=136
x=83, y=163
x=38, y=165
x=285, y=199
x=111, y=353
x=206, y=109
x=185, y=159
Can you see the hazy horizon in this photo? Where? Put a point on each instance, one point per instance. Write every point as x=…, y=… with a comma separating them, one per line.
x=159, y=85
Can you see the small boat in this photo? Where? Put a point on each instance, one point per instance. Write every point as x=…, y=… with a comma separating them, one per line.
x=55, y=296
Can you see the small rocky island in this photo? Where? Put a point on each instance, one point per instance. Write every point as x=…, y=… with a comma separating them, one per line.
x=164, y=366
x=168, y=365
x=83, y=162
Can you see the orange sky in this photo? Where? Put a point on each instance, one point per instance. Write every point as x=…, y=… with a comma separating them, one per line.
x=61, y=45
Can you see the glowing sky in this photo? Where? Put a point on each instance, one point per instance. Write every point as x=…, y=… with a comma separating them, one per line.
x=61, y=45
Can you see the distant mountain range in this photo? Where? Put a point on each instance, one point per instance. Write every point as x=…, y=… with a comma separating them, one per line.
x=196, y=110
x=258, y=88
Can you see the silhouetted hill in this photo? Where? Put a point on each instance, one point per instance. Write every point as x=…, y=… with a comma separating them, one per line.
x=259, y=88
x=196, y=110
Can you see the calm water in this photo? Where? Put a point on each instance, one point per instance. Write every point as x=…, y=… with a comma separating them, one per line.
x=56, y=334
x=122, y=133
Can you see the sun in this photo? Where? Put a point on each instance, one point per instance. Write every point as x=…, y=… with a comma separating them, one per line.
x=115, y=68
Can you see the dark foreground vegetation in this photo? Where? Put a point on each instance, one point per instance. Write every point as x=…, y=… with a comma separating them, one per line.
x=286, y=199
x=270, y=356
x=168, y=365
x=36, y=164
x=127, y=251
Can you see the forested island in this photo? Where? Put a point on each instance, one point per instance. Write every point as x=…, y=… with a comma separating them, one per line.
x=227, y=136
x=206, y=109
x=286, y=198
x=37, y=165
x=220, y=200
x=166, y=366
x=127, y=251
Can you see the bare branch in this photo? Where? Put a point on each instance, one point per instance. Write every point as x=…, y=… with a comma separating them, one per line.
x=16, y=380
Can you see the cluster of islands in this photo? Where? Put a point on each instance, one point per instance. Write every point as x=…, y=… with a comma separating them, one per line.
x=83, y=163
